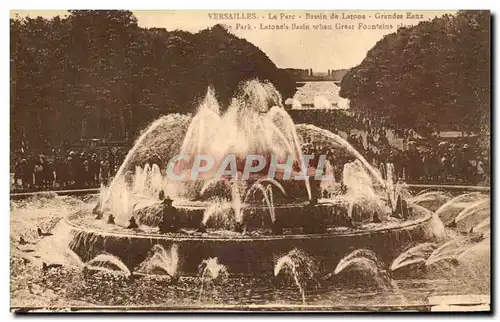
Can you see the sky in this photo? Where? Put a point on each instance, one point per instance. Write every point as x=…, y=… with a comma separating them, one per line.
x=320, y=50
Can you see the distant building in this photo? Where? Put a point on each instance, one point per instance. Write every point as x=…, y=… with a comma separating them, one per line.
x=308, y=75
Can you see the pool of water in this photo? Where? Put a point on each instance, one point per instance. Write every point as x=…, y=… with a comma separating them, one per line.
x=410, y=287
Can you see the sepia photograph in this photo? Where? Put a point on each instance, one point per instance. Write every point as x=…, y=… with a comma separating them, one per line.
x=250, y=161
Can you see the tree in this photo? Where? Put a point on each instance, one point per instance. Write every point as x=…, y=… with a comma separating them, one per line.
x=96, y=73
x=431, y=76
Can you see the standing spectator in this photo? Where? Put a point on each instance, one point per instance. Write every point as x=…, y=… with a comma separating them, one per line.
x=105, y=171
x=80, y=171
x=111, y=159
x=61, y=169
x=19, y=173
x=86, y=173
x=369, y=139
x=39, y=171
x=48, y=174
x=94, y=169
x=413, y=163
x=480, y=170
x=446, y=166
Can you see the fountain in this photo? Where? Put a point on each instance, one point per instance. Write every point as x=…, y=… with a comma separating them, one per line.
x=232, y=239
x=245, y=218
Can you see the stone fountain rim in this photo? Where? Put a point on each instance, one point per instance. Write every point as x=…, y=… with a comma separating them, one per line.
x=428, y=216
x=191, y=204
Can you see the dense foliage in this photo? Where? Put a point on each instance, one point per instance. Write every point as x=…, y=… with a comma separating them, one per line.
x=433, y=76
x=97, y=74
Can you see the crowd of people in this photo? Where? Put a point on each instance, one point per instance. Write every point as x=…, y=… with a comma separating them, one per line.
x=431, y=160
x=59, y=169
x=416, y=160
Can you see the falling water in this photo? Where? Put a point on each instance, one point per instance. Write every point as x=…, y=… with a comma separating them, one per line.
x=246, y=128
x=435, y=229
x=206, y=119
x=483, y=227
x=213, y=182
x=123, y=194
x=415, y=255
x=285, y=123
x=210, y=270
x=235, y=187
x=236, y=200
x=269, y=193
x=257, y=186
x=159, y=259
x=358, y=253
x=272, y=182
x=160, y=139
x=316, y=134
x=446, y=211
x=255, y=123
x=356, y=180
x=300, y=266
x=220, y=211
x=108, y=263
x=366, y=262
x=41, y=211
x=390, y=185
x=286, y=261
x=140, y=179
x=473, y=214
x=451, y=249
x=429, y=196
x=481, y=248
x=360, y=192
x=383, y=170
x=157, y=182
x=54, y=249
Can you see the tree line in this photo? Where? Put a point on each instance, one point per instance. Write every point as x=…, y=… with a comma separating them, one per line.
x=97, y=74
x=434, y=76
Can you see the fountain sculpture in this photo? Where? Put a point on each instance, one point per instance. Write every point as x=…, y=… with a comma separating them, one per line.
x=246, y=222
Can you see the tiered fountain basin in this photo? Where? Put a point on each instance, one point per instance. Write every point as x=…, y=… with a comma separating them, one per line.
x=255, y=252
x=289, y=215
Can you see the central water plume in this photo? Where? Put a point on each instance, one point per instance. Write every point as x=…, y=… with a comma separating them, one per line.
x=254, y=124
